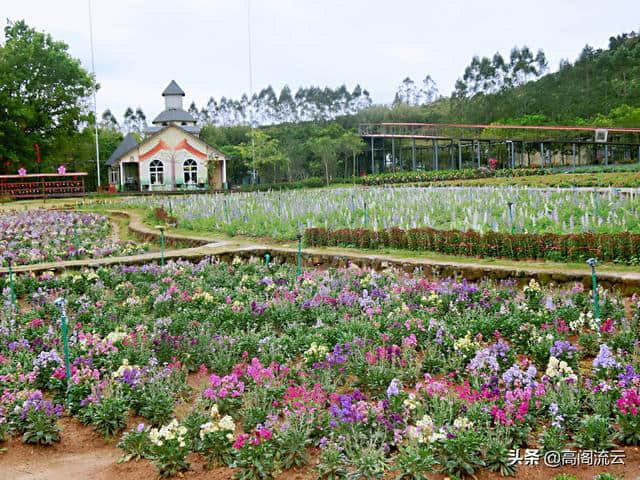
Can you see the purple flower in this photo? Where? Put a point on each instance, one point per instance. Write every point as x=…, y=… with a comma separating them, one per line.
x=628, y=377
x=605, y=358
x=562, y=349
x=394, y=388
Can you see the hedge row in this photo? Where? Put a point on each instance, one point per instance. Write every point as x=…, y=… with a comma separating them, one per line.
x=396, y=178
x=616, y=247
x=444, y=175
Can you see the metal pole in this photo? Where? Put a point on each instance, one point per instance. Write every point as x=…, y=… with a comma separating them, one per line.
x=161, y=228
x=542, y=154
x=11, y=289
x=253, y=143
x=435, y=153
x=60, y=303
x=393, y=154
x=596, y=303
x=372, y=159
x=95, y=104
x=413, y=154
x=573, y=153
x=459, y=155
x=365, y=214
x=513, y=226
x=606, y=154
x=451, y=154
x=299, y=237
x=478, y=145
x=75, y=238
x=226, y=211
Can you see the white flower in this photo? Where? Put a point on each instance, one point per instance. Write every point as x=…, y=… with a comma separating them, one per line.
x=462, y=423
x=227, y=423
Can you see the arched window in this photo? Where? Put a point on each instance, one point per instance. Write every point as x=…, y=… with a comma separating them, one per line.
x=190, y=171
x=156, y=172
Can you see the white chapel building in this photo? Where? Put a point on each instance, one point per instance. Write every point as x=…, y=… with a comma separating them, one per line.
x=170, y=157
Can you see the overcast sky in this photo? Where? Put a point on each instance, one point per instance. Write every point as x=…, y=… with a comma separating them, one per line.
x=203, y=44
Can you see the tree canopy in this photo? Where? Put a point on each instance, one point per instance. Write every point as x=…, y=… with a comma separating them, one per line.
x=43, y=96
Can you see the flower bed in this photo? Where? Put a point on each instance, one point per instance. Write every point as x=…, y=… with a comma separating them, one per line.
x=37, y=236
x=382, y=373
x=613, y=247
x=523, y=211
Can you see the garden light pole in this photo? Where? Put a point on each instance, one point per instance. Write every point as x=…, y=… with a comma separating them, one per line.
x=60, y=303
x=365, y=214
x=75, y=237
x=511, y=217
x=596, y=303
x=12, y=290
x=161, y=228
x=267, y=257
x=299, y=237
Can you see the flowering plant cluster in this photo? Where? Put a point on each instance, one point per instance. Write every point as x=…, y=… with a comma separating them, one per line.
x=47, y=236
x=379, y=371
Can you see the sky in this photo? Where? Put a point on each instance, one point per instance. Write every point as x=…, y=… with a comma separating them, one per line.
x=140, y=46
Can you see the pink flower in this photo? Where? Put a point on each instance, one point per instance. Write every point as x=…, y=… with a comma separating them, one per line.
x=22, y=172
x=62, y=170
x=240, y=441
x=607, y=326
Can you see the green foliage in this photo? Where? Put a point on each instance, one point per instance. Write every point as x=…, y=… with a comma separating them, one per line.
x=135, y=444
x=40, y=428
x=156, y=403
x=292, y=443
x=367, y=460
x=595, y=433
x=413, y=461
x=628, y=429
x=553, y=439
x=460, y=455
x=497, y=455
x=332, y=462
x=42, y=91
x=109, y=415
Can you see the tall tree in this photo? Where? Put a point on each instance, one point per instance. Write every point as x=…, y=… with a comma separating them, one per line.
x=43, y=94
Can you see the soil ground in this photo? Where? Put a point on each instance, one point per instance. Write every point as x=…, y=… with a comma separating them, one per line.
x=85, y=455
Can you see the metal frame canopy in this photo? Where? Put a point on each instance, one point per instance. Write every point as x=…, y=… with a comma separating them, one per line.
x=477, y=143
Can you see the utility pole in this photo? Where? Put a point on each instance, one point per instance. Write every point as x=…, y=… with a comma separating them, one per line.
x=95, y=104
x=253, y=142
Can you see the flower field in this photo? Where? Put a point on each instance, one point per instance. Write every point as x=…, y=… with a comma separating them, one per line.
x=282, y=215
x=48, y=235
x=340, y=372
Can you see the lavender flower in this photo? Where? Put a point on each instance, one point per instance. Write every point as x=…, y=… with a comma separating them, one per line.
x=394, y=388
x=562, y=349
x=605, y=358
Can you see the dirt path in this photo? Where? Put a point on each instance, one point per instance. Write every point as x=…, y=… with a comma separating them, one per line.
x=203, y=244
x=81, y=454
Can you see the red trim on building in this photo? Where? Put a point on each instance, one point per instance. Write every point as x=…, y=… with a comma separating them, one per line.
x=184, y=145
x=160, y=146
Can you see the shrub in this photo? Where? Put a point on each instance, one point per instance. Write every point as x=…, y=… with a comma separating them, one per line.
x=595, y=433
x=136, y=444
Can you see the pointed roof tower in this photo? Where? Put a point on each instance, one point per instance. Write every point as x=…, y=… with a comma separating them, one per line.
x=173, y=89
